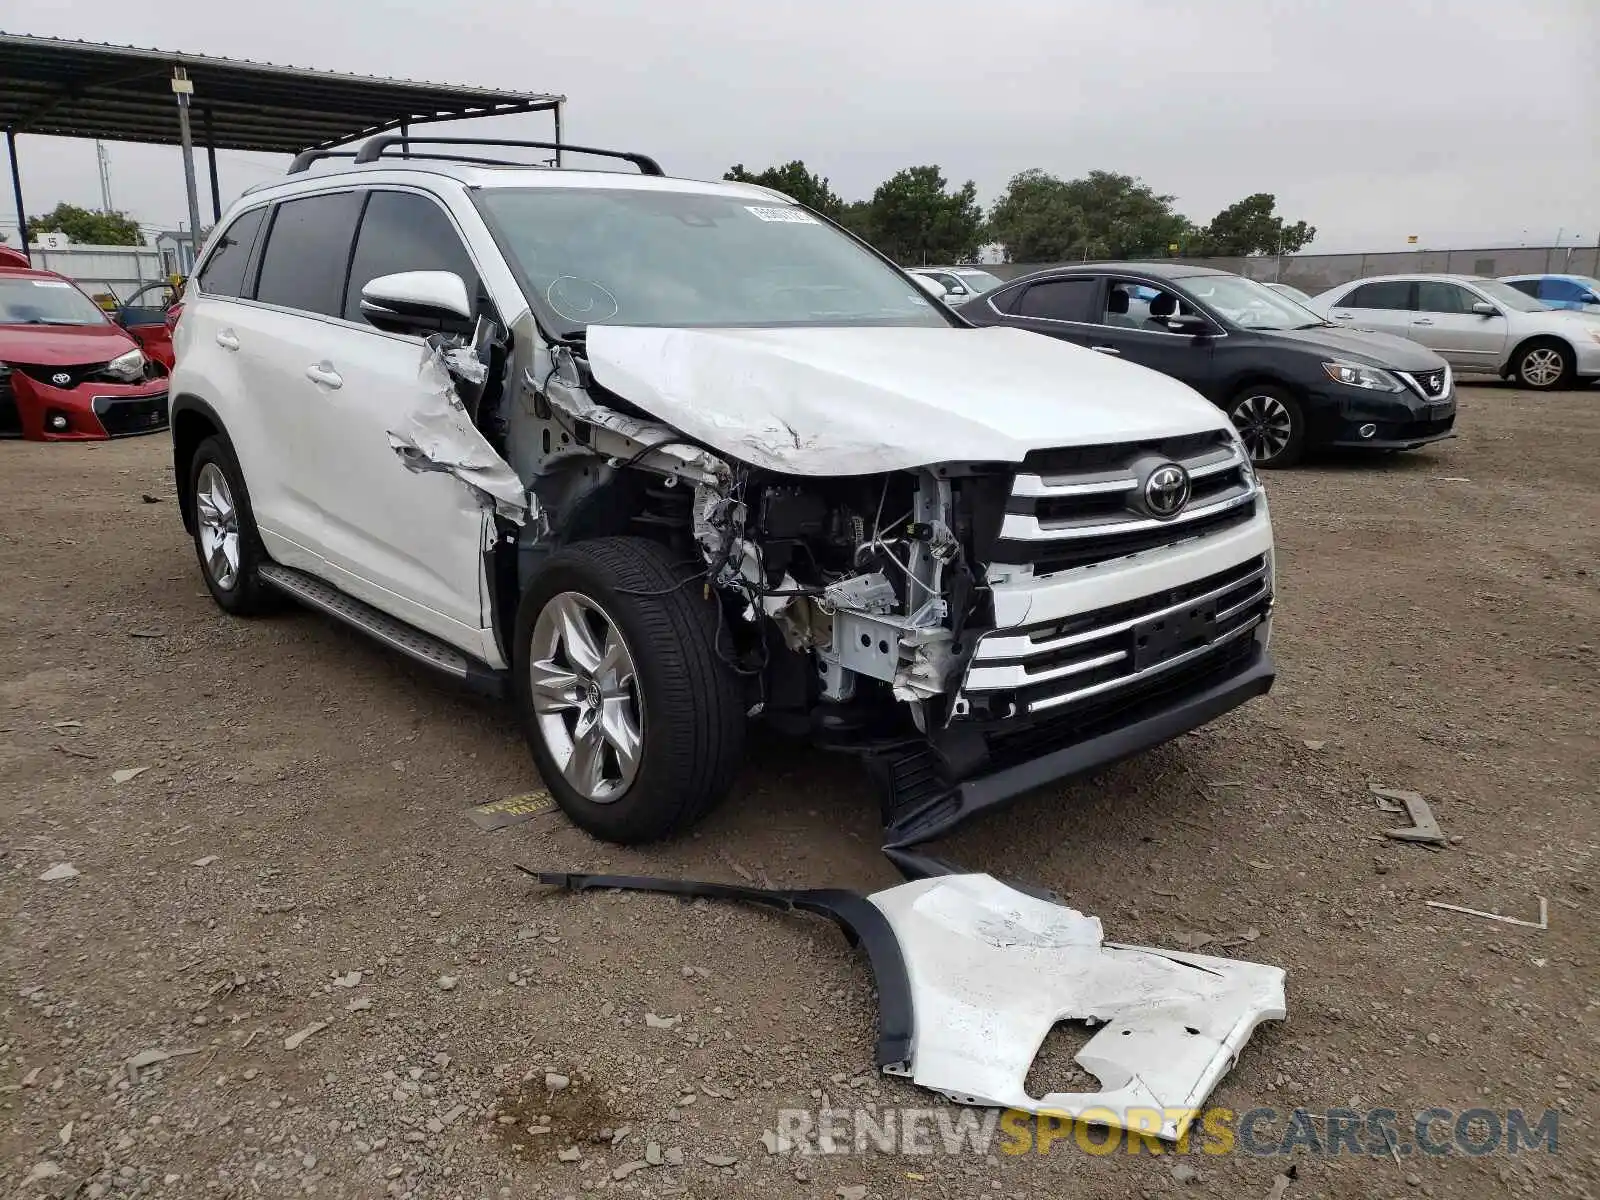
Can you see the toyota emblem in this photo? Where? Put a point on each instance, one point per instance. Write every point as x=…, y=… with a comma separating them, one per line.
x=61, y=378
x=1166, y=491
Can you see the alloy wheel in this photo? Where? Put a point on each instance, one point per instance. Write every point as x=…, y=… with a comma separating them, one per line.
x=586, y=696
x=219, y=526
x=1264, y=426
x=1543, y=366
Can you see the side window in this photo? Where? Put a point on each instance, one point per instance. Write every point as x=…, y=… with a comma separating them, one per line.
x=1392, y=293
x=1528, y=287
x=223, y=274
x=1561, y=290
x=1060, y=300
x=1006, y=301
x=1447, y=298
x=1133, y=305
x=308, y=249
x=402, y=231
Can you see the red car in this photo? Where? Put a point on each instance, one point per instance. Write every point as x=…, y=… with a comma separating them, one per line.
x=67, y=372
x=149, y=317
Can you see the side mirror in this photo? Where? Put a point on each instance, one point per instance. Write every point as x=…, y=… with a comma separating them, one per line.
x=1190, y=324
x=958, y=290
x=1484, y=309
x=417, y=302
x=1589, y=298
x=932, y=286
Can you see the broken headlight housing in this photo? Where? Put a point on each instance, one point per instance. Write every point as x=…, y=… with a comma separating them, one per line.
x=127, y=367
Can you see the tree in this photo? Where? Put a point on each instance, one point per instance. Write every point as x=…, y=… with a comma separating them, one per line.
x=793, y=179
x=86, y=227
x=857, y=218
x=1041, y=218
x=1252, y=226
x=915, y=220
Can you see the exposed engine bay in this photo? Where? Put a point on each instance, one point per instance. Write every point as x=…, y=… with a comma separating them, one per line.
x=842, y=594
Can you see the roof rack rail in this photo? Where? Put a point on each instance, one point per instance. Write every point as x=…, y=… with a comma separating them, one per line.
x=305, y=158
x=372, y=150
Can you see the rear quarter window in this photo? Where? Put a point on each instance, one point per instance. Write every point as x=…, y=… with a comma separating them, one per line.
x=223, y=274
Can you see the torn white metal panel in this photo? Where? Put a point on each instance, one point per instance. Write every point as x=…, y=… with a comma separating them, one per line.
x=438, y=435
x=993, y=969
x=858, y=400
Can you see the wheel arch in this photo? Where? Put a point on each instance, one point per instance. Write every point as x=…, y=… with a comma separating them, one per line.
x=192, y=421
x=1510, y=366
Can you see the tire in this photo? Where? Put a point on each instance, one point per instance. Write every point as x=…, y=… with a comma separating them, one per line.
x=1271, y=423
x=611, y=635
x=1543, y=364
x=225, y=537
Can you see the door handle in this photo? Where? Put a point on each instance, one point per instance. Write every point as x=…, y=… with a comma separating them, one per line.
x=1422, y=321
x=1341, y=316
x=1105, y=350
x=227, y=339
x=323, y=373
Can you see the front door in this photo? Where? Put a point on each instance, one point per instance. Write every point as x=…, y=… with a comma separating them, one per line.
x=407, y=542
x=1445, y=323
x=1132, y=325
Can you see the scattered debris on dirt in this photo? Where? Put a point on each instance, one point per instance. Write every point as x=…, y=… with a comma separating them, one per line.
x=126, y=774
x=61, y=870
x=295, y=1040
x=1542, y=923
x=1423, y=828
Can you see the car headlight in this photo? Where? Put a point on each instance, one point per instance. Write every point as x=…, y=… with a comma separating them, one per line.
x=1374, y=379
x=129, y=366
x=1595, y=333
x=1247, y=470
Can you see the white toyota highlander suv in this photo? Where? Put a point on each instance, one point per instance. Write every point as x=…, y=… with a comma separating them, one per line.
x=655, y=457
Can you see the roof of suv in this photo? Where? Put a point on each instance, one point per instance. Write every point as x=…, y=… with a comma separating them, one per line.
x=474, y=175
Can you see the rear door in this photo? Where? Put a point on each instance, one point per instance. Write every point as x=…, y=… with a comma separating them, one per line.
x=1445, y=323
x=409, y=542
x=1065, y=307
x=1385, y=305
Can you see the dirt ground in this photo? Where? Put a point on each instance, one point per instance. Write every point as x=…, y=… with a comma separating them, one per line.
x=297, y=853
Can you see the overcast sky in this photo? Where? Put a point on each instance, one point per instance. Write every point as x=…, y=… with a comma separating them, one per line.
x=1463, y=122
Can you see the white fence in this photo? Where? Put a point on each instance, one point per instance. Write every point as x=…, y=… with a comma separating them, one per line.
x=119, y=270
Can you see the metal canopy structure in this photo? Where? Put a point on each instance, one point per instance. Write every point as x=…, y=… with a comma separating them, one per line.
x=59, y=88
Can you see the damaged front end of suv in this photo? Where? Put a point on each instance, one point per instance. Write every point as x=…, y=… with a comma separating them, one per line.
x=970, y=611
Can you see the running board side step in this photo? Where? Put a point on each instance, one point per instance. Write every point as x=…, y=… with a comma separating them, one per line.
x=397, y=635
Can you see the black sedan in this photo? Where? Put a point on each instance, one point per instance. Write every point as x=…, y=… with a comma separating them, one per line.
x=1288, y=380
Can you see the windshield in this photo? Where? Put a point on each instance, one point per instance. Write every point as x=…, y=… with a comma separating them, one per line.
x=978, y=281
x=1250, y=304
x=25, y=300
x=1504, y=293
x=614, y=256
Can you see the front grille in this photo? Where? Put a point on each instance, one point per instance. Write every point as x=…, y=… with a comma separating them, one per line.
x=1019, y=742
x=76, y=375
x=1069, y=508
x=1060, y=664
x=139, y=414
x=1430, y=385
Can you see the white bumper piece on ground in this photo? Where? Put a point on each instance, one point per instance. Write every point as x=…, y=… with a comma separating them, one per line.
x=993, y=969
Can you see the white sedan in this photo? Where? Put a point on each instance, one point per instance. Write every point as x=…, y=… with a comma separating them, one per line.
x=1476, y=324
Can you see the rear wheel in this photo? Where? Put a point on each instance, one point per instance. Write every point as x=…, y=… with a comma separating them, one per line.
x=1271, y=425
x=225, y=538
x=634, y=721
x=1543, y=365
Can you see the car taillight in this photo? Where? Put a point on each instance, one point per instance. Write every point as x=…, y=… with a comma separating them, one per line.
x=173, y=314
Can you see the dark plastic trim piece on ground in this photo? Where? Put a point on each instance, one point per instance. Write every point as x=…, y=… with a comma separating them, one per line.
x=859, y=919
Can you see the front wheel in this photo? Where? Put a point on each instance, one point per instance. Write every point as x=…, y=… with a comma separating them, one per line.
x=634, y=720
x=1543, y=365
x=1270, y=424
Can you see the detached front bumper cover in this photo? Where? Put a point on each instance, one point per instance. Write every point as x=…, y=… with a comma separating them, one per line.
x=973, y=974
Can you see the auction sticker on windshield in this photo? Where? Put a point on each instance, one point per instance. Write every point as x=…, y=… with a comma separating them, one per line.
x=789, y=216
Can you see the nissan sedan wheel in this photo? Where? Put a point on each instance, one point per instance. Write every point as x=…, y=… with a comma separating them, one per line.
x=1270, y=425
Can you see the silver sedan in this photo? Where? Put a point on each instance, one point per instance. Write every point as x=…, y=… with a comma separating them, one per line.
x=1476, y=324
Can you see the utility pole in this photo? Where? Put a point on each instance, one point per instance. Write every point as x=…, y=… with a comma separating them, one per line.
x=103, y=157
x=183, y=88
